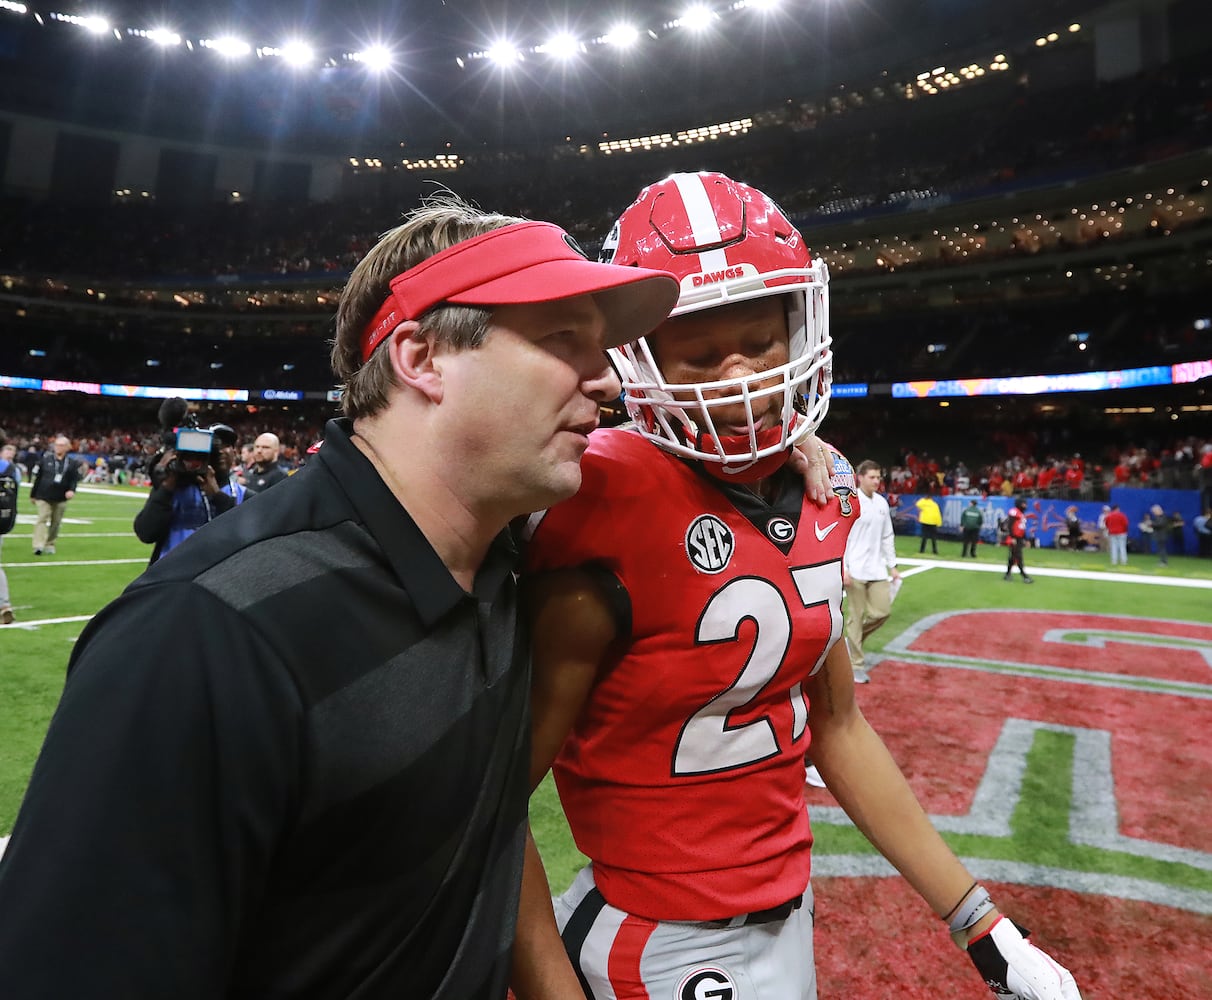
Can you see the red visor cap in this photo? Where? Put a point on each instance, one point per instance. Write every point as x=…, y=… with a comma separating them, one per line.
x=522, y=263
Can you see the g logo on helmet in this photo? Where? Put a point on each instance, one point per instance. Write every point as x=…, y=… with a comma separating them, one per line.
x=609, y=245
x=706, y=984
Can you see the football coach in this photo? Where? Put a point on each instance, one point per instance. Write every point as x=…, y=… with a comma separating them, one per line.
x=291, y=759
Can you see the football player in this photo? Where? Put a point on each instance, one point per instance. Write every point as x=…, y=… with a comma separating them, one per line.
x=686, y=610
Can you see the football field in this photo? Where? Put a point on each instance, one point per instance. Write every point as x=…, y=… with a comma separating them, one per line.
x=1058, y=734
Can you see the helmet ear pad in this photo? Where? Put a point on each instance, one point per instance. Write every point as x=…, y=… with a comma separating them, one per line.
x=726, y=242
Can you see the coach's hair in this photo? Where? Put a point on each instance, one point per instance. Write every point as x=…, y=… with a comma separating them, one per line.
x=443, y=220
x=865, y=466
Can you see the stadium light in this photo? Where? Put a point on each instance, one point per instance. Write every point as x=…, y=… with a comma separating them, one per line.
x=697, y=17
x=562, y=46
x=15, y=8
x=228, y=46
x=297, y=53
x=376, y=58
x=163, y=37
x=762, y=5
x=91, y=23
x=622, y=36
x=503, y=53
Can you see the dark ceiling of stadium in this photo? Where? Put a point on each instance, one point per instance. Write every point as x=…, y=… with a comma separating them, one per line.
x=747, y=62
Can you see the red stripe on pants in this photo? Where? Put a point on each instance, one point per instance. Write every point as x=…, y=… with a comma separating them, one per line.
x=623, y=965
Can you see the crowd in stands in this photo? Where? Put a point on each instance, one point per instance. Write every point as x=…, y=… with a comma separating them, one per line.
x=1184, y=464
x=820, y=162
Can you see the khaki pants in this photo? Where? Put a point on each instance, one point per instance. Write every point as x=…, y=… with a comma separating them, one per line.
x=46, y=528
x=869, y=602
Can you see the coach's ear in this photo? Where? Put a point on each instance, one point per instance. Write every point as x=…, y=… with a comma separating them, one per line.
x=413, y=360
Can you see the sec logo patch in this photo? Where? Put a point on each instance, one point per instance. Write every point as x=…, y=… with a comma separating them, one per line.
x=709, y=543
x=708, y=983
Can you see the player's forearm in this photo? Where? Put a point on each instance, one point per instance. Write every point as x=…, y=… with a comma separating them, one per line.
x=869, y=786
x=541, y=970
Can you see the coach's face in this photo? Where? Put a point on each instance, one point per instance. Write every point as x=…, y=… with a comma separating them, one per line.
x=525, y=401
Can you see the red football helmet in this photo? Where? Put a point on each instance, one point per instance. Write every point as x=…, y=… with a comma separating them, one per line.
x=726, y=242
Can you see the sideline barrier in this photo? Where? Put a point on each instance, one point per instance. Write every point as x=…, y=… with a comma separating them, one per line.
x=1046, y=516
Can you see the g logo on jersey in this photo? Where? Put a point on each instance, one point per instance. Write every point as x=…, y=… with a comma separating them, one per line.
x=706, y=984
x=709, y=544
x=779, y=529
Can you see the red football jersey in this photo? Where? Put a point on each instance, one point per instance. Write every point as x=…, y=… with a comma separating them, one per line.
x=683, y=777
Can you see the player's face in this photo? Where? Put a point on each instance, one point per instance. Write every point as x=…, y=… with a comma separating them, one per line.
x=731, y=342
x=526, y=400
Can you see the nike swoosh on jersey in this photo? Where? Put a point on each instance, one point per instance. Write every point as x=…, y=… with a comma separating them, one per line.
x=822, y=535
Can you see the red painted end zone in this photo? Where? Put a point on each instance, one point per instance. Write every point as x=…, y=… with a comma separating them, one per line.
x=876, y=938
x=1018, y=636
x=941, y=723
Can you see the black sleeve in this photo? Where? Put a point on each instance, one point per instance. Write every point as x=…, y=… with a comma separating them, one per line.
x=154, y=517
x=221, y=503
x=169, y=772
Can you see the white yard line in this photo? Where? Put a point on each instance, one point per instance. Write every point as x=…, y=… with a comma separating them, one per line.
x=31, y=625
x=78, y=534
x=47, y=562
x=1065, y=574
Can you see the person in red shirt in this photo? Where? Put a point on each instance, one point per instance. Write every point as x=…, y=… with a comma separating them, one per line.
x=1016, y=534
x=1024, y=479
x=1074, y=477
x=1047, y=474
x=1116, y=524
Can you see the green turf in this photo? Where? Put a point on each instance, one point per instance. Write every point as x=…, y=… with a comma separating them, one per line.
x=32, y=664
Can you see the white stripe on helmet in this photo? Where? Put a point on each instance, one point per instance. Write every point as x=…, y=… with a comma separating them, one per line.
x=703, y=222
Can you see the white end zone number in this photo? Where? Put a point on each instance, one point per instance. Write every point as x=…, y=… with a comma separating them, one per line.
x=707, y=743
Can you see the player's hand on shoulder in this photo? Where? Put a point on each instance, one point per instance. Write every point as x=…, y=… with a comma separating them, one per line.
x=1013, y=967
x=814, y=461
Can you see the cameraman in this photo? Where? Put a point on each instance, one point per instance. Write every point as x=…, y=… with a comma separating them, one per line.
x=180, y=502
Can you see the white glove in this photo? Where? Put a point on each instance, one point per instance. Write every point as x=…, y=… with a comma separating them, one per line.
x=1013, y=967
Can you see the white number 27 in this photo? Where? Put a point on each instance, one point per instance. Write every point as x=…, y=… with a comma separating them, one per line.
x=708, y=743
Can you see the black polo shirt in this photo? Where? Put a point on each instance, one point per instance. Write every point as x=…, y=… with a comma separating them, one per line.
x=289, y=761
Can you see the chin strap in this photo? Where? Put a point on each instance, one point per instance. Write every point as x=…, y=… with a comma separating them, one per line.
x=736, y=447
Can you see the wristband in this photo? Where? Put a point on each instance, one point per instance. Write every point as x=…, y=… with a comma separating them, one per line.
x=971, y=908
x=947, y=916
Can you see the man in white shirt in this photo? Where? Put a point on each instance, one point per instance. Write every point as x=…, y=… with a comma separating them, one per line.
x=869, y=568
